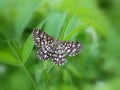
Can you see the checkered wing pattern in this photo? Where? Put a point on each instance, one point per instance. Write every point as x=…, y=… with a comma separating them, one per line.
x=72, y=48
x=54, y=49
x=41, y=38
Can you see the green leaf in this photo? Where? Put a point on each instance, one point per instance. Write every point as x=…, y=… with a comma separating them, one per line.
x=66, y=76
x=42, y=23
x=74, y=32
x=73, y=70
x=55, y=23
x=92, y=15
x=71, y=23
x=27, y=48
x=8, y=59
x=24, y=13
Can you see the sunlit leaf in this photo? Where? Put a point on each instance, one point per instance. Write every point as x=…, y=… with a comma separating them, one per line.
x=27, y=48
x=90, y=14
x=74, y=32
x=8, y=58
x=67, y=24
x=42, y=24
x=55, y=23
x=24, y=13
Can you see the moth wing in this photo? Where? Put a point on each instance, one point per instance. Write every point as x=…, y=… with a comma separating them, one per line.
x=72, y=48
x=41, y=38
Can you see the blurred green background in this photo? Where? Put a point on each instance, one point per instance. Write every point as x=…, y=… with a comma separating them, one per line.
x=96, y=23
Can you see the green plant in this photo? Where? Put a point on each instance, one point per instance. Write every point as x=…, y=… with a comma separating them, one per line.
x=79, y=20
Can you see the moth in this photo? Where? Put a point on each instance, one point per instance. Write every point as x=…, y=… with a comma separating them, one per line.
x=50, y=48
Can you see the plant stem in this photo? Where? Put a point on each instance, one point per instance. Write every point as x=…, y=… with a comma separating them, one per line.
x=22, y=65
x=30, y=77
x=14, y=52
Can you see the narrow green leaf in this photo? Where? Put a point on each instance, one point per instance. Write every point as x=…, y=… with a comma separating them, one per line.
x=42, y=23
x=66, y=25
x=27, y=48
x=74, y=32
x=55, y=22
x=92, y=15
x=8, y=59
x=66, y=76
x=24, y=13
x=73, y=70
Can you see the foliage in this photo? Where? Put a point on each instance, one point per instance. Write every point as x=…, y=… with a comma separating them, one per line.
x=92, y=22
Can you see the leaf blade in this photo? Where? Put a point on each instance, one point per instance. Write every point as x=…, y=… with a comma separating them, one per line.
x=27, y=48
x=55, y=21
x=8, y=59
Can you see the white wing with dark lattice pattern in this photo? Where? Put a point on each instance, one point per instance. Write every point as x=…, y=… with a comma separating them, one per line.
x=56, y=50
x=41, y=38
x=72, y=48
